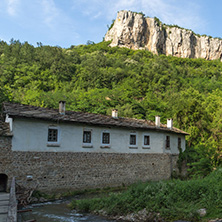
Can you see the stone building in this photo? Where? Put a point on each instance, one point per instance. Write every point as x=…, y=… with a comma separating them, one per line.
x=64, y=150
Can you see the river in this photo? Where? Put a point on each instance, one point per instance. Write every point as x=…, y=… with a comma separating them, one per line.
x=57, y=212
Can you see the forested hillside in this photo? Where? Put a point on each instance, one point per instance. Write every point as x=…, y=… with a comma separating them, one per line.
x=96, y=78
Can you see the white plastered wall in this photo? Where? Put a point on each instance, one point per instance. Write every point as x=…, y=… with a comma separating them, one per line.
x=31, y=135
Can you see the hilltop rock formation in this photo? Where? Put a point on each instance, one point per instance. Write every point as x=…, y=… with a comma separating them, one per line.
x=134, y=31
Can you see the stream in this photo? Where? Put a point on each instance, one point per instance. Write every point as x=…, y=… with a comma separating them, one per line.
x=57, y=212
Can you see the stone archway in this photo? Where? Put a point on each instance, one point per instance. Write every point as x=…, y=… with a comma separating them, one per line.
x=3, y=182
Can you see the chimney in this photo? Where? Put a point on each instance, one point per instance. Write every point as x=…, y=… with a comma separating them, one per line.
x=62, y=107
x=157, y=121
x=115, y=113
x=170, y=123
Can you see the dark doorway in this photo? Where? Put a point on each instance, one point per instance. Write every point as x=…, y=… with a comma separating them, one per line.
x=3, y=182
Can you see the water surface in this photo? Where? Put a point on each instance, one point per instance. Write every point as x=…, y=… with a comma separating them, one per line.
x=57, y=212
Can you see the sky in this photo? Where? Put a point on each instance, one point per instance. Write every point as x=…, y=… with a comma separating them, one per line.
x=72, y=22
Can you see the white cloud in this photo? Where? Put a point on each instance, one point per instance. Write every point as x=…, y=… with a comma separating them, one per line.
x=51, y=13
x=12, y=6
x=185, y=13
x=97, y=15
x=56, y=22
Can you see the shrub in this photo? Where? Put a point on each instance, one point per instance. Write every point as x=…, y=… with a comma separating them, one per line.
x=174, y=199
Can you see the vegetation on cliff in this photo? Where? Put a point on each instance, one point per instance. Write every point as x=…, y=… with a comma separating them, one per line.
x=96, y=78
x=171, y=200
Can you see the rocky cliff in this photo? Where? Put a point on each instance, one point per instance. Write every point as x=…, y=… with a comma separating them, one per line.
x=133, y=30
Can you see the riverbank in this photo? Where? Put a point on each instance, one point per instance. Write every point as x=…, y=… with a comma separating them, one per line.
x=57, y=211
x=45, y=207
x=41, y=197
x=191, y=200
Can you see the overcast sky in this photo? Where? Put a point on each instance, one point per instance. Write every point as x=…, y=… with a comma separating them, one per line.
x=73, y=22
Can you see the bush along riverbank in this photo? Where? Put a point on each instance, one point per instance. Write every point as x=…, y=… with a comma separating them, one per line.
x=192, y=200
x=41, y=197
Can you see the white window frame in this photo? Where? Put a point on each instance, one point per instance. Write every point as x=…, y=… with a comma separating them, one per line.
x=87, y=145
x=133, y=146
x=53, y=143
x=146, y=146
x=105, y=145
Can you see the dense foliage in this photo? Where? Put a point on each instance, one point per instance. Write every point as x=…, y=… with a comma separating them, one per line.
x=96, y=78
x=174, y=200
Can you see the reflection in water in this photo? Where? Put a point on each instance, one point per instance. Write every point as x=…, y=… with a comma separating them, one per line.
x=57, y=212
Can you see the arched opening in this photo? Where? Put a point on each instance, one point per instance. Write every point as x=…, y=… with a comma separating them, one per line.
x=3, y=182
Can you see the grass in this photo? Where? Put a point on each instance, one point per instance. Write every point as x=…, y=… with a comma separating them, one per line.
x=53, y=196
x=174, y=199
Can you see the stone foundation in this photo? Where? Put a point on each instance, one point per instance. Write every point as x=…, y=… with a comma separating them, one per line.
x=63, y=171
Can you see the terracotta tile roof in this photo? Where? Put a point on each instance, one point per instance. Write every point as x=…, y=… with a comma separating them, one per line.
x=4, y=129
x=27, y=111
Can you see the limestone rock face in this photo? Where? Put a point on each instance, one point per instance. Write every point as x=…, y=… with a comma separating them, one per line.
x=133, y=30
x=129, y=29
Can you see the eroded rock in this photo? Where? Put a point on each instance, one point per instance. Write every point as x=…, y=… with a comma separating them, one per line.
x=133, y=30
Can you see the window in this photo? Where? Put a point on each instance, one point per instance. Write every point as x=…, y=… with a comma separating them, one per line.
x=179, y=143
x=167, y=142
x=86, y=136
x=105, y=140
x=53, y=136
x=146, y=141
x=133, y=140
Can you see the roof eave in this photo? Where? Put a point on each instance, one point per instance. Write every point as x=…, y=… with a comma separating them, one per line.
x=161, y=129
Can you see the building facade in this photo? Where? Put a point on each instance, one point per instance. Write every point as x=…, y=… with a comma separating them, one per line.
x=64, y=150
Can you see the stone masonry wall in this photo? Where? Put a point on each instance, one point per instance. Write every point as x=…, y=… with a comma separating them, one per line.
x=53, y=171
x=6, y=157
x=174, y=166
